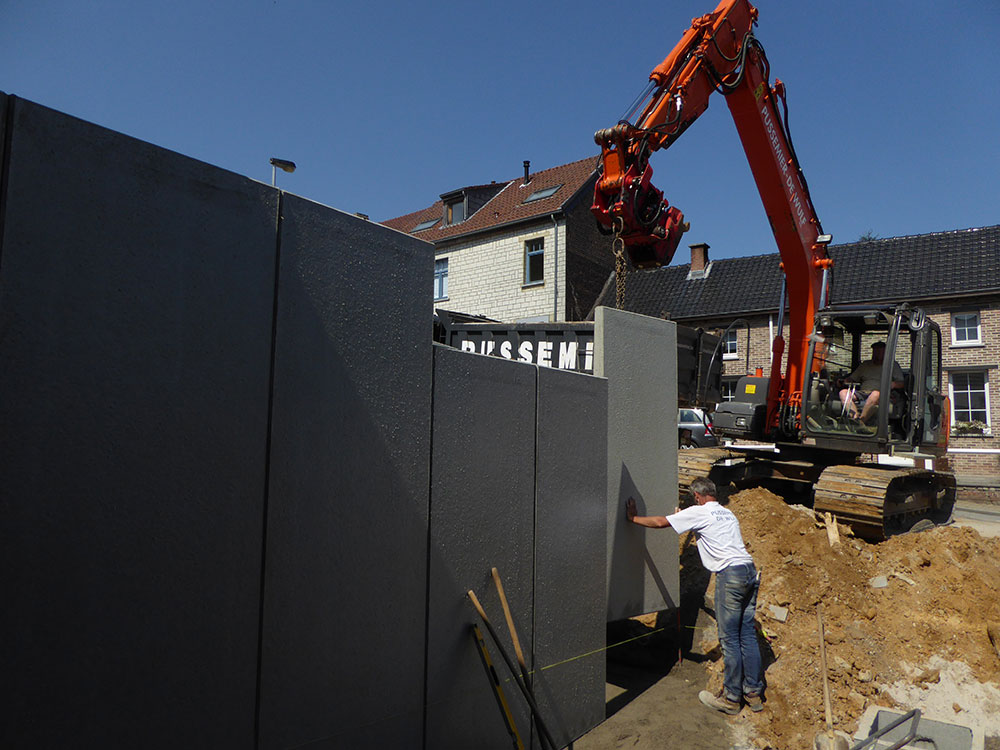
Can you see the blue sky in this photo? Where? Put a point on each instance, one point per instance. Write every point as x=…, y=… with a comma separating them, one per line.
x=893, y=105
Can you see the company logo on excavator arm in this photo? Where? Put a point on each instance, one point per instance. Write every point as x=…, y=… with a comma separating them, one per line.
x=759, y=91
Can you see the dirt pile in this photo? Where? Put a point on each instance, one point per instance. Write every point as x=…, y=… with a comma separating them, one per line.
x=906, y=620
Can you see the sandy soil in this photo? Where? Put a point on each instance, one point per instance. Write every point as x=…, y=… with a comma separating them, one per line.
x=920, y=641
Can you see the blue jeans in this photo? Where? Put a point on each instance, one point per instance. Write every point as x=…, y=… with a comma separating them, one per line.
x=735, y=607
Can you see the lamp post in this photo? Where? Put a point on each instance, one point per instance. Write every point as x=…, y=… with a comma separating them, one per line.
x=283, y=165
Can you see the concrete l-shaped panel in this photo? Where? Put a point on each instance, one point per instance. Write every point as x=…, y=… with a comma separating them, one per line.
x=244, y=495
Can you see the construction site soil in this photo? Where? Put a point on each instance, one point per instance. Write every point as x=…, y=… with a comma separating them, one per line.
x=908, y=624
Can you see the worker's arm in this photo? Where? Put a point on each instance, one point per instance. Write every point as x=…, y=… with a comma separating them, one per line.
x=652, y=522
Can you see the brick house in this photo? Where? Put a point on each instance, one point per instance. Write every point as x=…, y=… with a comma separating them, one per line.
x=954, y=276
x=526, y=250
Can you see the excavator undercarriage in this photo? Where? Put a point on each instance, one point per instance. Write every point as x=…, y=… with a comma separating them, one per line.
x=875, y=501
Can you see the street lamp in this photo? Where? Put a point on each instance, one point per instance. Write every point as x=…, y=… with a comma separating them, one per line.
x=284, y=166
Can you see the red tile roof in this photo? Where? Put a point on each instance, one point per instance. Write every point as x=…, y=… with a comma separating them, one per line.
x=508, y=205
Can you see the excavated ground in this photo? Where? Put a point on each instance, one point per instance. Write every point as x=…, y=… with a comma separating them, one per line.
x=919, y=641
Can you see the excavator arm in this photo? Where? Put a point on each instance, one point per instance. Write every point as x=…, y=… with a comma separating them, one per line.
x=719, y=53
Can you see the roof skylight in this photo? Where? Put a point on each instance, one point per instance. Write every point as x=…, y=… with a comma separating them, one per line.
x=543, y=193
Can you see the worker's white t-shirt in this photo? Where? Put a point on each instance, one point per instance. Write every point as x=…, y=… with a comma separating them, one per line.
x=720, y=542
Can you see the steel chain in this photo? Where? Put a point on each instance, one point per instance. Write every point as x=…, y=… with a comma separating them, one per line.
x=621, y=265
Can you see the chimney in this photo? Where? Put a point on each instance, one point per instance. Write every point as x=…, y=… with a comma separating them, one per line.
x=699, y=257
x=527, y=166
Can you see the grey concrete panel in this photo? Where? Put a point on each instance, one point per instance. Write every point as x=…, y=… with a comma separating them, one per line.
x=345, y=568
x=637, y=355
x=482, y=516
x=570, y=543
x=3, y=155
x=136, y=292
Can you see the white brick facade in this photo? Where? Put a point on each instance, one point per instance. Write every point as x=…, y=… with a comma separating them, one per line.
x=486, y=274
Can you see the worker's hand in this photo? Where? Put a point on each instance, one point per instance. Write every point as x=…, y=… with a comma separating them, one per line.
x=630, y=509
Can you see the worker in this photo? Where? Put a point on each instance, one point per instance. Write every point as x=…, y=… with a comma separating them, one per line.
x=722, y=551
x=868, y=379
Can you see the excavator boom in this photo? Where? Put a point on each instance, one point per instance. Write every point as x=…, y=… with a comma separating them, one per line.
x=719, y=53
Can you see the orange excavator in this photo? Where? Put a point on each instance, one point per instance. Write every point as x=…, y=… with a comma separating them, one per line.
x=819, y=426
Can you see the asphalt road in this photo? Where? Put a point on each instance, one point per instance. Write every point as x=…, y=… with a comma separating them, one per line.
x=984, y=518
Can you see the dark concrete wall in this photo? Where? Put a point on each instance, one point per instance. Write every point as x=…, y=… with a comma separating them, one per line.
x=345, y=570
x=136, y=289
x=518, y=484
x=570, y=524
x=216, y=461
x=482, y=516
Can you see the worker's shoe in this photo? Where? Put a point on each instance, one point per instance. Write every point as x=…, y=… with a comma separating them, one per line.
x=719, y=702
x=755, y=702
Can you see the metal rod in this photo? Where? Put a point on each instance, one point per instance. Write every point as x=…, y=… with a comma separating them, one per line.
x=639, y=101
x=870, y=740
x=781, y=307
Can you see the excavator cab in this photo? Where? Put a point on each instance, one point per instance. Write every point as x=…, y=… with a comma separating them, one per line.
x=908, y=414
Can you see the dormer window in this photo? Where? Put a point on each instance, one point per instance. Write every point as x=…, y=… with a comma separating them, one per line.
x=543, y=193
x=425, y=225
x=454, y=211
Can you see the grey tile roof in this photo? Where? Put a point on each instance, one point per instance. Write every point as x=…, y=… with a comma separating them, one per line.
x=917, y=267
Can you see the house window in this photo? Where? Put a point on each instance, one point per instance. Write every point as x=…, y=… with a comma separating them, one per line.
x=534, y=261
x=454, y=212
x=965, y=329
x=440, y=279
x=425, y=225
x=730, y=347
x=970, y=400
x=729, y=390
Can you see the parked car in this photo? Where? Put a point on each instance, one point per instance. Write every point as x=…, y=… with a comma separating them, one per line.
x=694, y=429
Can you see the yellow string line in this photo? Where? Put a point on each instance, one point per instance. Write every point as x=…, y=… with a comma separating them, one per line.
x=598, y=650
x=442, y=700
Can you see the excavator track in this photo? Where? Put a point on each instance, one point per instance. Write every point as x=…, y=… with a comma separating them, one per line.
x=876, y=502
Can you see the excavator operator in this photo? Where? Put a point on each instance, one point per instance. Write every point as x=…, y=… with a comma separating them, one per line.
x=861, y=386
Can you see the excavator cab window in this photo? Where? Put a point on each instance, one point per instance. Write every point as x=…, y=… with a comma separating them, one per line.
x=932, y=397
x=848, y=368
x=833, y=361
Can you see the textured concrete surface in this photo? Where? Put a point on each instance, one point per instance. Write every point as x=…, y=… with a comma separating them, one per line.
x=136, y=290
x=482, y=516
x=637, y=355
x=345, y=569
x=570, y=534
x=216, y=455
